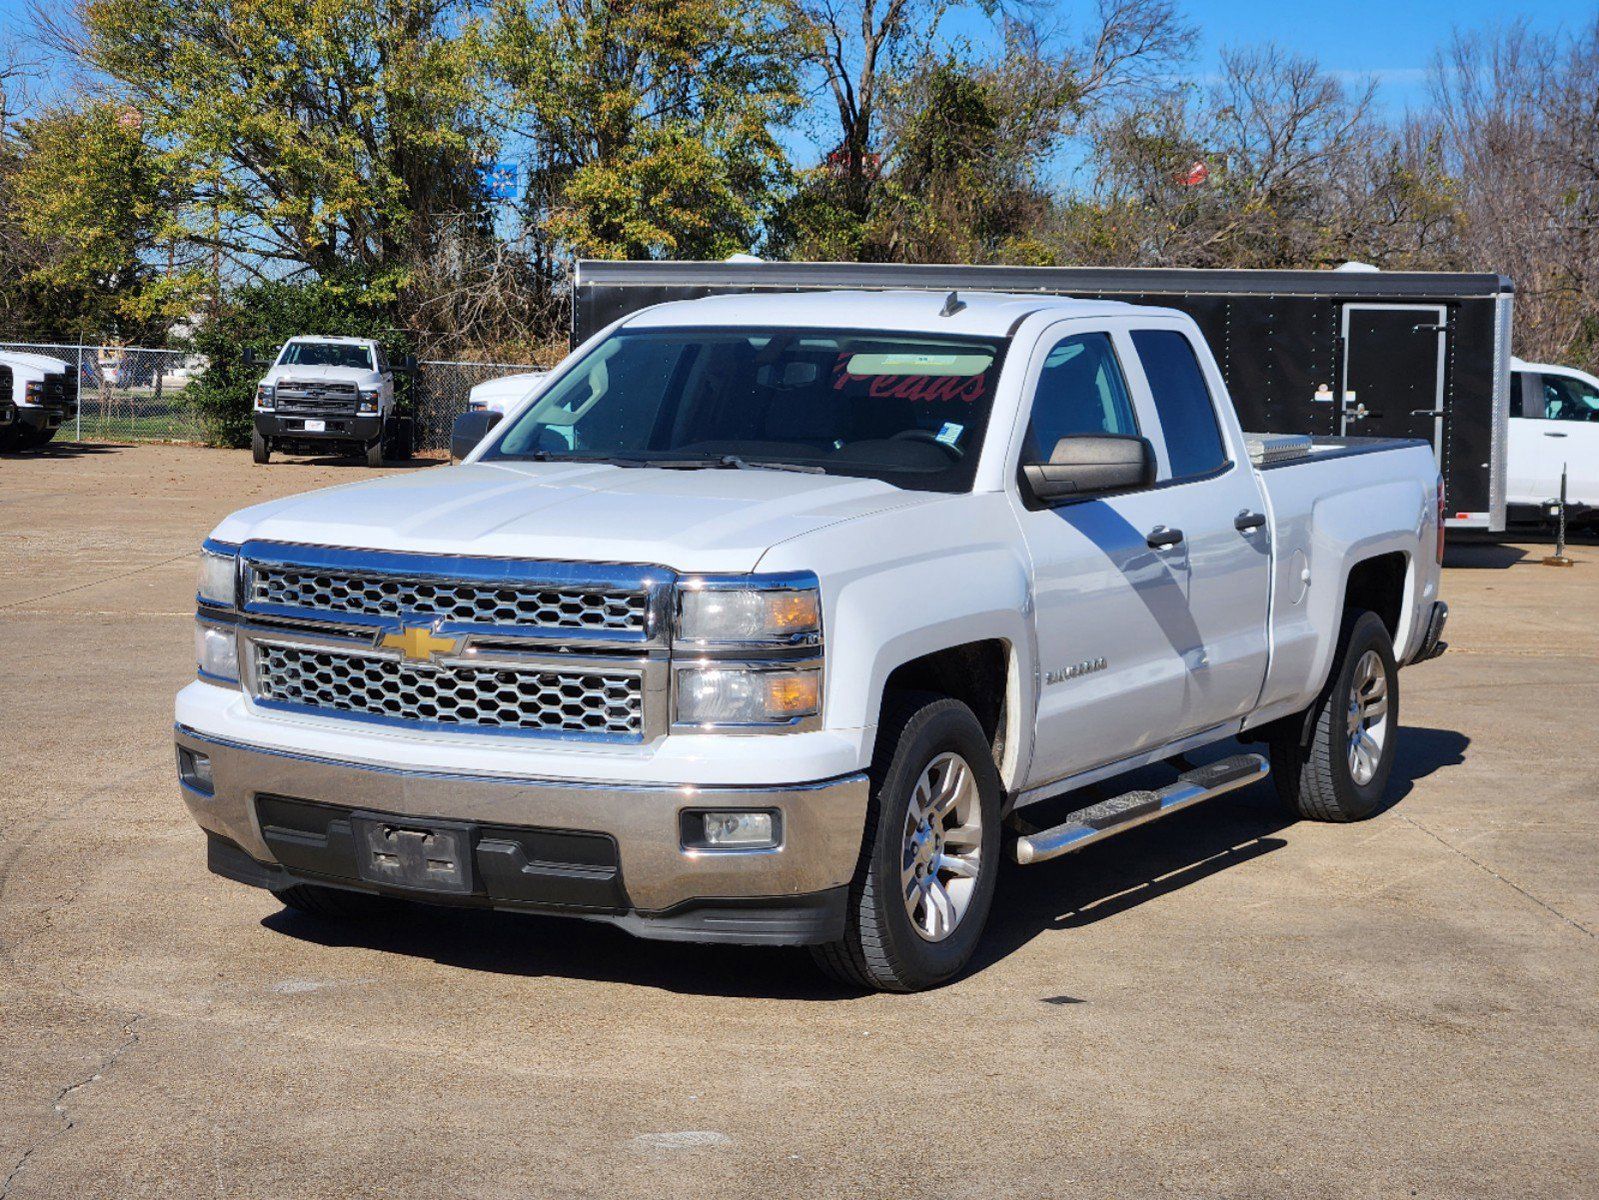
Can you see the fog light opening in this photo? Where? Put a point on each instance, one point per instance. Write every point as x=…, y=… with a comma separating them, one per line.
x=195, y=770
x=732, y=829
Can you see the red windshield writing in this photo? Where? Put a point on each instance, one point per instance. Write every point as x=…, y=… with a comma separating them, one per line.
x=925, y=389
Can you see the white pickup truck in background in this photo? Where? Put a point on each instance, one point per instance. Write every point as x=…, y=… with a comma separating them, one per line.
x=38, y=395
x=329, y=393
x=771, y=617
x=1554, y=429
x=505, y=393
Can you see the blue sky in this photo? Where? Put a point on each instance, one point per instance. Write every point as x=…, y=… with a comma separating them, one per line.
x=1393, y=40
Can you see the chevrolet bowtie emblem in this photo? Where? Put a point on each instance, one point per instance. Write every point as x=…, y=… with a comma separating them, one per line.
x=417, y=642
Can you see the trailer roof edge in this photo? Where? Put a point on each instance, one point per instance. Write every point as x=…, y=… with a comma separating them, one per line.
x=1054, y=280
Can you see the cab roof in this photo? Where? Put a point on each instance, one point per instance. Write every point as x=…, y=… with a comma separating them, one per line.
x=340, y=340
x=983, y=314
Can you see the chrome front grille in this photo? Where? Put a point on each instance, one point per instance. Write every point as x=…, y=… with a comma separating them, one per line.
x=483, y=645
x=296, y=396
x=595, y=702
x=506, y=604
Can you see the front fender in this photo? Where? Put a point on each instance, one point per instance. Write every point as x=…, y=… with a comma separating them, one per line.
x=910, y=582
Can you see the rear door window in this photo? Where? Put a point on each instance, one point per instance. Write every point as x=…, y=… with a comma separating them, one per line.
x=1187, y=414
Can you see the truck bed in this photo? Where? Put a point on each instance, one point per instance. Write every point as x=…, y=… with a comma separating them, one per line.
x=1288, y=449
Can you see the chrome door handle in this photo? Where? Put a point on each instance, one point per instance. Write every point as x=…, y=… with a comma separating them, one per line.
x=1161, y=538
x=1246, y=520
x=1551, y=433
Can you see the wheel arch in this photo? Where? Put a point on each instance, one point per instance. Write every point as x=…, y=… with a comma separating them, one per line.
x=985, y=675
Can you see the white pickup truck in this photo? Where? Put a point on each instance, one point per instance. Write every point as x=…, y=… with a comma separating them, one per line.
x=38, y=395
x=323, y=393
x=1554, y=431
x=770, y=617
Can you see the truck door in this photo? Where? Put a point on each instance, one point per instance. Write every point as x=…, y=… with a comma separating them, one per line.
x=1211, y=495
x=1110, y=610
x=1393, y=372
x=1554, y=427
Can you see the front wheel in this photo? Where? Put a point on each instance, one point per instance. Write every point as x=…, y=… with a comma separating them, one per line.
x=260, y=448
x=374, y=453
x=930, y=853
x=1337, y=769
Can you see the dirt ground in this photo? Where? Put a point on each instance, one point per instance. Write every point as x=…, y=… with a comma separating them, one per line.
x=1227, y=1003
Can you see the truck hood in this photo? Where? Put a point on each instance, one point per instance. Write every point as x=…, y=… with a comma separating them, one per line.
x=321, y=374
x=37, y=362
x=710, y=520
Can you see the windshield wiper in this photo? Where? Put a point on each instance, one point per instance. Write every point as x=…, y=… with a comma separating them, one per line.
x=732, y=462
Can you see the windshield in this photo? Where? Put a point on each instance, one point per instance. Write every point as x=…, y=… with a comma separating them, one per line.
x=909, y=409
x=326, y=354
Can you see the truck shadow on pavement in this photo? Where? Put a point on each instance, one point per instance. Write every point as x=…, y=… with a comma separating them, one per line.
x=1095, y=884
x=66, y=450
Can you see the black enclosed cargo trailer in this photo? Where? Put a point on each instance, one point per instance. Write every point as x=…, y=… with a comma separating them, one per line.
x=1332, y=353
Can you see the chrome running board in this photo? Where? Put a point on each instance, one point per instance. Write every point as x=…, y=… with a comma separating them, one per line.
x=1121, y=813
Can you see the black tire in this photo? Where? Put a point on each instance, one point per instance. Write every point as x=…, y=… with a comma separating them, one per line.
x=335, y=904
x=881, y=948
x=401, y=448
x=10, y=438
x=40, y=437
x=1310, y=756
x=260, y=448
x=374, y=452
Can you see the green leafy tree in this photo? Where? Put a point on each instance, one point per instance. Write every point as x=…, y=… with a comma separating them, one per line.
x=653, y=122
x=83, y=205
x=316, y=133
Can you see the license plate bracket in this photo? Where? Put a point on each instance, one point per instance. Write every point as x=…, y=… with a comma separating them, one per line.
x=429, y=856
x=313, y=426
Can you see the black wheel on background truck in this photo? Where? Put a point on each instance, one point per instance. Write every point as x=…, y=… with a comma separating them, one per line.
x=400, y=447
x=374, y=451
x=335, y=904
x=1334, y=764
x=929, y=853
x=260, y=448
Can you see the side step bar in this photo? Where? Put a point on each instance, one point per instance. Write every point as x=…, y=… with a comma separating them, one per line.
x=1120, y=813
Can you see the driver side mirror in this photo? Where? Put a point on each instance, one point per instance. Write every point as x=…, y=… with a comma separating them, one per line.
x=469, y=429
x=1090, y=464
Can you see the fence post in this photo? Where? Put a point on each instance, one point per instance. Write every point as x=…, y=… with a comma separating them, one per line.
x=77, y=389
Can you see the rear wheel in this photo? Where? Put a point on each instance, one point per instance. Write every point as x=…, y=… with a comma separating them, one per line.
x=260, y=448
x=930, y=852
x=1337, y=769
x=335, y=904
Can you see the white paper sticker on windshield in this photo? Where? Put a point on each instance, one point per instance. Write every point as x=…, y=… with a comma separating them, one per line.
x=962, y=366
x=951, y=433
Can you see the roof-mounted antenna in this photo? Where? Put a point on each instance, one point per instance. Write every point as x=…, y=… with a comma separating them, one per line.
x=952, y=305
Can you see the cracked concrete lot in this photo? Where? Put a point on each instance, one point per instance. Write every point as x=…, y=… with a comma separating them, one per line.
x=1225, y=1004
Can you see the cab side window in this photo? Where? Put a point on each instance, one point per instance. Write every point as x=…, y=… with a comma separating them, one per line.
x=1568, y=399
x=1187, y=415
x=1080, y=390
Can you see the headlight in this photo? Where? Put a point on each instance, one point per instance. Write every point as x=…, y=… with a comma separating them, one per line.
x=263, y=395
x=369, y=400
x=737, y=695
x=216, y=651
x=218, y=571
x=765, y=612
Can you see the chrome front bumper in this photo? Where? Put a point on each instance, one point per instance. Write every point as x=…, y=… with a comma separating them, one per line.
x=822, y=822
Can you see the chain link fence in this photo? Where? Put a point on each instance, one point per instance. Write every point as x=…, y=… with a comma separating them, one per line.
x=135, y=393
x=439, y=394
x=127, y=393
